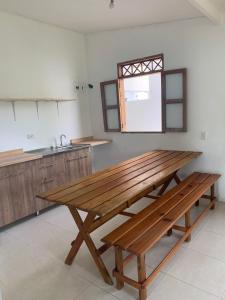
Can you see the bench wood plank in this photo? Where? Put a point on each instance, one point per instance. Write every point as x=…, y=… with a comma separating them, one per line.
x=122, y=230
x=151, y=237
x=139, y=234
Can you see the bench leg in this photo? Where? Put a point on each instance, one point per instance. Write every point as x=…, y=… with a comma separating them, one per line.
x=197, y=203
x=119, y=267
x=188, y=224
x=141, y=276
x=170, y=232
x=212, y=195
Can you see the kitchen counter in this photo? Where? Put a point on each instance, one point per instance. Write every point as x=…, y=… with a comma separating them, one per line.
x=25, y=174
x=17, y=156
x=54, y=151
x=12, y=157
x=92, y=141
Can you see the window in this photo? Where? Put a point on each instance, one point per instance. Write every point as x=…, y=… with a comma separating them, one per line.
x=110, y=105
x=145, y=98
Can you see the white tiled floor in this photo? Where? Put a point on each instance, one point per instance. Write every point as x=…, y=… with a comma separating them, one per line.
x=32, y=262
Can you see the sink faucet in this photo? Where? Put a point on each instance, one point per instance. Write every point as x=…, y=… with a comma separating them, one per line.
x=61, y=140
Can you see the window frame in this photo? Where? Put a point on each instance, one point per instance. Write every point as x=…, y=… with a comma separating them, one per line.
x=106, y=107
x=121, y=77
x=182, y=100
x=119, y=106
x=141, y=61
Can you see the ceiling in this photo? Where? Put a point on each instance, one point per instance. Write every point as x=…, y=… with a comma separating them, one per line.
x=95, y=15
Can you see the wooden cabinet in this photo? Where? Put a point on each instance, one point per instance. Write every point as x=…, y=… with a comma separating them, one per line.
x=20, y=183
x=21, y=189
x=78, y=164
x=6, y=204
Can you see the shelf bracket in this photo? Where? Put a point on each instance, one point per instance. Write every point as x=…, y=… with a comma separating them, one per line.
x=37, y=108
x=57, y=104
x=14, y=110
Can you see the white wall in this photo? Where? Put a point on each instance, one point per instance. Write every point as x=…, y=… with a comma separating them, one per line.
x=39, y=60
x=195, y=44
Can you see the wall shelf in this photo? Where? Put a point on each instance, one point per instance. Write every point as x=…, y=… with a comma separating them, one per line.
x=13, y=101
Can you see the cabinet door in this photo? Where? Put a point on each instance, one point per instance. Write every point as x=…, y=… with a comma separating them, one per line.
x=21, y=189
x=72, y=166
x=78, y=164
x=60, y=169
x=46, y=179
x=85, y=167
x=6, y=204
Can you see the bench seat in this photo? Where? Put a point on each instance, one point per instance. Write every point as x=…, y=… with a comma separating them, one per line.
x=142, y=231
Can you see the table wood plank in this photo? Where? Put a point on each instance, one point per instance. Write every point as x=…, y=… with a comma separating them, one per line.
x=121, y=184
x=105, y=196
x=107, y=184
x=106, y=172
x=92, y=184
x=140, y=190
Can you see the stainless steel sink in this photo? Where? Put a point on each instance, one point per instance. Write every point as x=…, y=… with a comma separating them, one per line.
x=52, y=151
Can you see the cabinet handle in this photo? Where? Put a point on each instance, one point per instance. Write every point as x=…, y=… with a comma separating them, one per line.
x=46, y=166
x=5, y=177
x=17, y=174
x=48, y=180
x=77, y=158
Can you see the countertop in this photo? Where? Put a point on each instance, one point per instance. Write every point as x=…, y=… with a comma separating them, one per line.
x=54, y=151
x=90, y=140
x=16, y=156
x=12, y=157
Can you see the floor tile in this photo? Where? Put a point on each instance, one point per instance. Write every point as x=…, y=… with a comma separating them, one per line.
x=32, y=257
x=48, y=283
x=171, y=288
x=52, y=239
x=198, y=270
x=216, y=222
x=59, y=216
x=209, y=243
x=159, y=251
x=94, y=292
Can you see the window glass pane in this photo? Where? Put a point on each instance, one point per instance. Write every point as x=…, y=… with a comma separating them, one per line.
x=143, y=103
x=174, y=86
x=174, y=115
x=111, y=94
x=112, y=118
x=137, y=88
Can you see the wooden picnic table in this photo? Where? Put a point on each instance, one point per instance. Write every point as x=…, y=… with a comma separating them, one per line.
x=109, y=192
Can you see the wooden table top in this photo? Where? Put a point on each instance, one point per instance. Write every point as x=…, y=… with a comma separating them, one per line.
x=121, y=184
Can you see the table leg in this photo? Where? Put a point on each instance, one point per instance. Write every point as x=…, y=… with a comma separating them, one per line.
x=76, y=244
x=165, y=185
x=84, y=235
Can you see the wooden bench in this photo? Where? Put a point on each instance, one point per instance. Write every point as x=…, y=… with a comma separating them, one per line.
x=143, y=230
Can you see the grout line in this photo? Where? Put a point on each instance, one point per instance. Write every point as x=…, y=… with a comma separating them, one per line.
x=193, y=286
